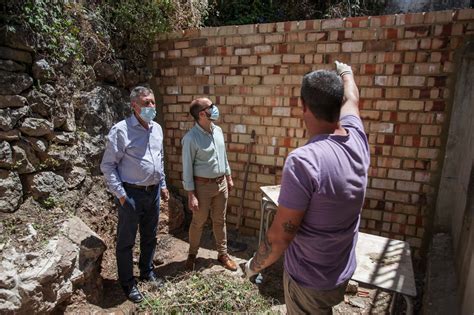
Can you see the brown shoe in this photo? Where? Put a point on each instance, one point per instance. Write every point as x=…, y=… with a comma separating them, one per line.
x=190, y=263
x=227, y=262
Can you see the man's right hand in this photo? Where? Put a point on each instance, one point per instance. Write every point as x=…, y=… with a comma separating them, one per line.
x=193, y=202
x=122, y=200
x=342, y=68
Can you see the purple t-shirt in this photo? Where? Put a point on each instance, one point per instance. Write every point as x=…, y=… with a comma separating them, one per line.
x=327, y=179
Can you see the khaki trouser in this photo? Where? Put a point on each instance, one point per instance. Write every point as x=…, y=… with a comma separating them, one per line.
x=212, y=197
x=300, y=300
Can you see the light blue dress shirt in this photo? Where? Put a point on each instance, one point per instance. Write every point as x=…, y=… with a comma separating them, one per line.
x=133, y=155
x=203, y=155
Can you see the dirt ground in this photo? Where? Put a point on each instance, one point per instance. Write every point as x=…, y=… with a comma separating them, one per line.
x=171, y=254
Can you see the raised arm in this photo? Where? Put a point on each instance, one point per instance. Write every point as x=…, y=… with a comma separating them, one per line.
x=351, y=92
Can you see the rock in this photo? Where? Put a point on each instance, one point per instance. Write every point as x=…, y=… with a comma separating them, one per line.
x=63, y=116
x=75, y=177
x=12, y=101
x=11, y=191
x=6, y=156
x=108, y=72
x=6, y=122
x=40, y=103
x=36, y=127
x=62, y=137
x=24, y=158
x=71, y=261
x=42, y=71
x=45, y=184
x=63, y=156
x=10, y=135
x=15, y=37
x=15, y=55
x=352, y=287
x=14, y=83
x=98, y=110
x=171, y=215
x=9, y=117
x=12, y=66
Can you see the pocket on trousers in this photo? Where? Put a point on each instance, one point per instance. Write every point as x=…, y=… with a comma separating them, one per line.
x=129, y=204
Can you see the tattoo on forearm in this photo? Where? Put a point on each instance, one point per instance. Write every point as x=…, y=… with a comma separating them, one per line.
x=289, y=227
x=263, y=252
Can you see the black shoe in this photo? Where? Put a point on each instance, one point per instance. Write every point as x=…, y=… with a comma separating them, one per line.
x=155, y=281
x=134, y=294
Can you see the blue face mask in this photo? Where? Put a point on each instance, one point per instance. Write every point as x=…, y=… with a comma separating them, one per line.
x=147, y=113
x=214, y=113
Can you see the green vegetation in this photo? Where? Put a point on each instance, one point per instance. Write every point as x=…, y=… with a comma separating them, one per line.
x=194, y=293
x=236, y=12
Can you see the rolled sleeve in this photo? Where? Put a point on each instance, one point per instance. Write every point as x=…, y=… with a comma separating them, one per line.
x=188, y=155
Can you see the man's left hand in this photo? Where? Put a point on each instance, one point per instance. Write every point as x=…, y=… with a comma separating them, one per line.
x=230, y=182
x=165, y=194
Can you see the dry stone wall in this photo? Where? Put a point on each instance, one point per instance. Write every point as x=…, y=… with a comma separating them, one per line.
x=405, y=66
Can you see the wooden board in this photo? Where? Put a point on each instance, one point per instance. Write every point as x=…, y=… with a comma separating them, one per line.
x=381, y=262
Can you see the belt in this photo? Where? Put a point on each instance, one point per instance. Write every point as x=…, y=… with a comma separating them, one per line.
x=209, y=180
x=145, y=188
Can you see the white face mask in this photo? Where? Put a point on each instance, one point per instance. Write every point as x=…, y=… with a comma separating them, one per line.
x=147, y=113
x=214, y=113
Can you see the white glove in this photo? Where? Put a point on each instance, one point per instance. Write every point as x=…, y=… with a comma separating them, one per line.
x=248, y=272
x=342, y=69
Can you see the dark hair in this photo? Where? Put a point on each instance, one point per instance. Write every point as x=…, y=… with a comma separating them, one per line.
x=322, y=91
x=197, y=106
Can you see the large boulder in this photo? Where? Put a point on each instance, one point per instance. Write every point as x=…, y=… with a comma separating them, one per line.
x=40, y=282
x=12, y=66
x=98, y=110
x=11, y=192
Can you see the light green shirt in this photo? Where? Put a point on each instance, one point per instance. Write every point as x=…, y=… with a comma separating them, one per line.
x=203, y=155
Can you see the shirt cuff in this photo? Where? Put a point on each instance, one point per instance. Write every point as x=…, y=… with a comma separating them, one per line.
x=188, y=186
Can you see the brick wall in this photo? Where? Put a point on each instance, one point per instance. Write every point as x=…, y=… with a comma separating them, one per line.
x=405, y=70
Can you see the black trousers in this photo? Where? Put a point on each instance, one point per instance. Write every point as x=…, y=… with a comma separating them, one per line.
x=141, y=211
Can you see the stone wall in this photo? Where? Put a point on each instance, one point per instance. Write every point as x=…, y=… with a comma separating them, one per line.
x=404, y=67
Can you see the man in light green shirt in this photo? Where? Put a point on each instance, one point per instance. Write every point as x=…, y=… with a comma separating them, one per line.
x=207, y=179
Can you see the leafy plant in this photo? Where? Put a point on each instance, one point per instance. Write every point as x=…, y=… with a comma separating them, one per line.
x=53, y=29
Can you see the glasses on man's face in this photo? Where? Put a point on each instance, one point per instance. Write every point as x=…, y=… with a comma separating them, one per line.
x=148, y=102
x=208, y=107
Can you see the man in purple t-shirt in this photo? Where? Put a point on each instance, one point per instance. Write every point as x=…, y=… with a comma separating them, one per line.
x=322, y=193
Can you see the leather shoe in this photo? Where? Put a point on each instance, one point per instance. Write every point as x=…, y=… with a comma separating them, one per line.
x=190, y=263
x=153, y=280
x=227, y=262
x=134, y=294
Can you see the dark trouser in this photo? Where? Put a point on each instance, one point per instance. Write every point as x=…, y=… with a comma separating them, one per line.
x=301, y=300
x=141, y=209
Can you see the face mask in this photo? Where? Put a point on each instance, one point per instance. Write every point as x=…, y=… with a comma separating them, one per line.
x=147, y=113
x=214, y=113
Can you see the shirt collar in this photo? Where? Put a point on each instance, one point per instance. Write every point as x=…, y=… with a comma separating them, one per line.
x=135, y=122
x=202, y=129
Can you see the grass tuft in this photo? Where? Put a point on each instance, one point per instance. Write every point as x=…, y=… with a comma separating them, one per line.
x=215, y=293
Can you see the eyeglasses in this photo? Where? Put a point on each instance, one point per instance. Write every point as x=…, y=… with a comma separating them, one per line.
x=209, y=107
x=148, y=102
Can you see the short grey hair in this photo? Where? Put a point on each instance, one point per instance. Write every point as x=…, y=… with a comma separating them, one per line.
x=323, y=91
x=139, y=91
